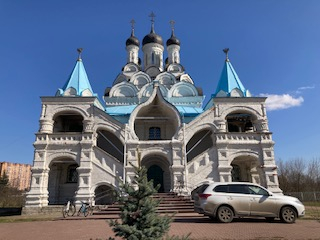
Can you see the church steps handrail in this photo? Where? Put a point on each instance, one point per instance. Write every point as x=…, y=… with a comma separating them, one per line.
x=96, y=148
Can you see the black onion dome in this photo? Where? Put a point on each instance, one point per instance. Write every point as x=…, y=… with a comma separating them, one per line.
x=132, y=40
x=152, y=37
x=173, y=40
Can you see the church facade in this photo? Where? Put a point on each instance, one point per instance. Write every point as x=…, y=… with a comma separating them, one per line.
x=153, y=115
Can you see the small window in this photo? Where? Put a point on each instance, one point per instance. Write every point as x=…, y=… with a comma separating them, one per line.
x=72, y=176
x=154, y=133
x=221, y=188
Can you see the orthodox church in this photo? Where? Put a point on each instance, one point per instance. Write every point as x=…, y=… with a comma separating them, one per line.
x=153, y=115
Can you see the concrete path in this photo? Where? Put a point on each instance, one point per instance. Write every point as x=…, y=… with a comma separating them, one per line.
x=76, y=228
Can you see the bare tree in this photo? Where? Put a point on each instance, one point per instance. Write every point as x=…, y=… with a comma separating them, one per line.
x=292, y=175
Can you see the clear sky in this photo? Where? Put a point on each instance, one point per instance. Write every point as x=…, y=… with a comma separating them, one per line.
x=274, y=48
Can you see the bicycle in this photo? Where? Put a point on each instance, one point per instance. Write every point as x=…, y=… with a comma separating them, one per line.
x=69, y=209
x=86, y=209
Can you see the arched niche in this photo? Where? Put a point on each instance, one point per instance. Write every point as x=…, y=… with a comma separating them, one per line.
x=140, y=79
x=130, y=68
x=199, y=143
x=183, y=89
x=123, y=89
x=245, y=168
x=110, y=143
x=104, y=195
x=156, y=113
x=236, y=92
x=153, y=71
x=240, y=122
x=166, y=79
x=175, y=68
x=147, y=90
x=68, y=121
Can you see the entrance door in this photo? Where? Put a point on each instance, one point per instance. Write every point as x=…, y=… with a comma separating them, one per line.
x=156, y=174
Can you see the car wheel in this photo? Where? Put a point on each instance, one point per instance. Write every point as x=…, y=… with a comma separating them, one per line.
x=288, y=215
x=225, y=214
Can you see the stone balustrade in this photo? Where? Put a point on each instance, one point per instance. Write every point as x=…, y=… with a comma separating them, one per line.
x=246, y=138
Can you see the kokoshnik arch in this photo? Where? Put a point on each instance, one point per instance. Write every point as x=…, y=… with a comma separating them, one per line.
x=152, y=115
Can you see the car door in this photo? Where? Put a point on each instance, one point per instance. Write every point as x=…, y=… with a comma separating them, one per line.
x=261, y=202
x=238, y=199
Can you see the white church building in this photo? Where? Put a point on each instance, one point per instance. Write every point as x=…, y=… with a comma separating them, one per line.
x=153, y=115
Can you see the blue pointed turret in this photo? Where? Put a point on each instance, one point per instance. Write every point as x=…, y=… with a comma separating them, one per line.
x=229, y=84
x=78, y=83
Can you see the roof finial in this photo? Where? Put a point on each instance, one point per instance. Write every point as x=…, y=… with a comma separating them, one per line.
x=79, y=51
x=132, y=27
x=152, y=15
x=172, y=22
x=226, y=50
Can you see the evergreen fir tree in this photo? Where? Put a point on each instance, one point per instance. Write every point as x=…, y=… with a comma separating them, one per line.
x=139, y=220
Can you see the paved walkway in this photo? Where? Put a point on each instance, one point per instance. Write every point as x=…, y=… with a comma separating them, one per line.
x=200, y=228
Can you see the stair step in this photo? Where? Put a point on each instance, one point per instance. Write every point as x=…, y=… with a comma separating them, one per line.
x=170, y=203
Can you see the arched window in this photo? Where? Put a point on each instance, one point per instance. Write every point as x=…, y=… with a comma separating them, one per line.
x=240, y=122
x=68, y=123
x=154, y=133
x=152, y=58
x=72, y=174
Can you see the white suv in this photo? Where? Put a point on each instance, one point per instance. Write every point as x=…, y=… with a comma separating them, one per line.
x=225, y=201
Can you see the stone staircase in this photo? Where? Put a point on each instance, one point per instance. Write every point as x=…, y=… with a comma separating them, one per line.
x=170, y=203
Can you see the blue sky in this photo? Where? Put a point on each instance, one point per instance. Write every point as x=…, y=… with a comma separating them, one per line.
x=274, y=48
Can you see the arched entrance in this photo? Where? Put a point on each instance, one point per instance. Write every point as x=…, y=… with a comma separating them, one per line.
x=104, y=195
x=155, y=173
x=63, y=181
x=244, y=169
x=158, y=170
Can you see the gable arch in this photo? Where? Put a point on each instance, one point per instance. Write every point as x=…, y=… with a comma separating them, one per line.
x=140, y=79
x=147, y=90
x=62, y=155
x=252, y=154
x=123, y=89
x=241, y=109
x=183, y=89
x=68, y=109
x=155, y=112
x=119, y=133
x=197, y=128
x=166, y=79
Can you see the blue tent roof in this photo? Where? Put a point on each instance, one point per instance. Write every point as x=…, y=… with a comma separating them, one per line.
x=229, y=80
x=78, y=81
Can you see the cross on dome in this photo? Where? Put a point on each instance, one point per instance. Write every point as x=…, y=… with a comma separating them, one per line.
x=226, y=50
x=79, y=50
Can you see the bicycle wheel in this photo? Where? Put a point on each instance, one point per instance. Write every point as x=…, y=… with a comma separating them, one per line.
x=86, y=211
x=80, y=210
x=72, y=210
x=64, y=211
